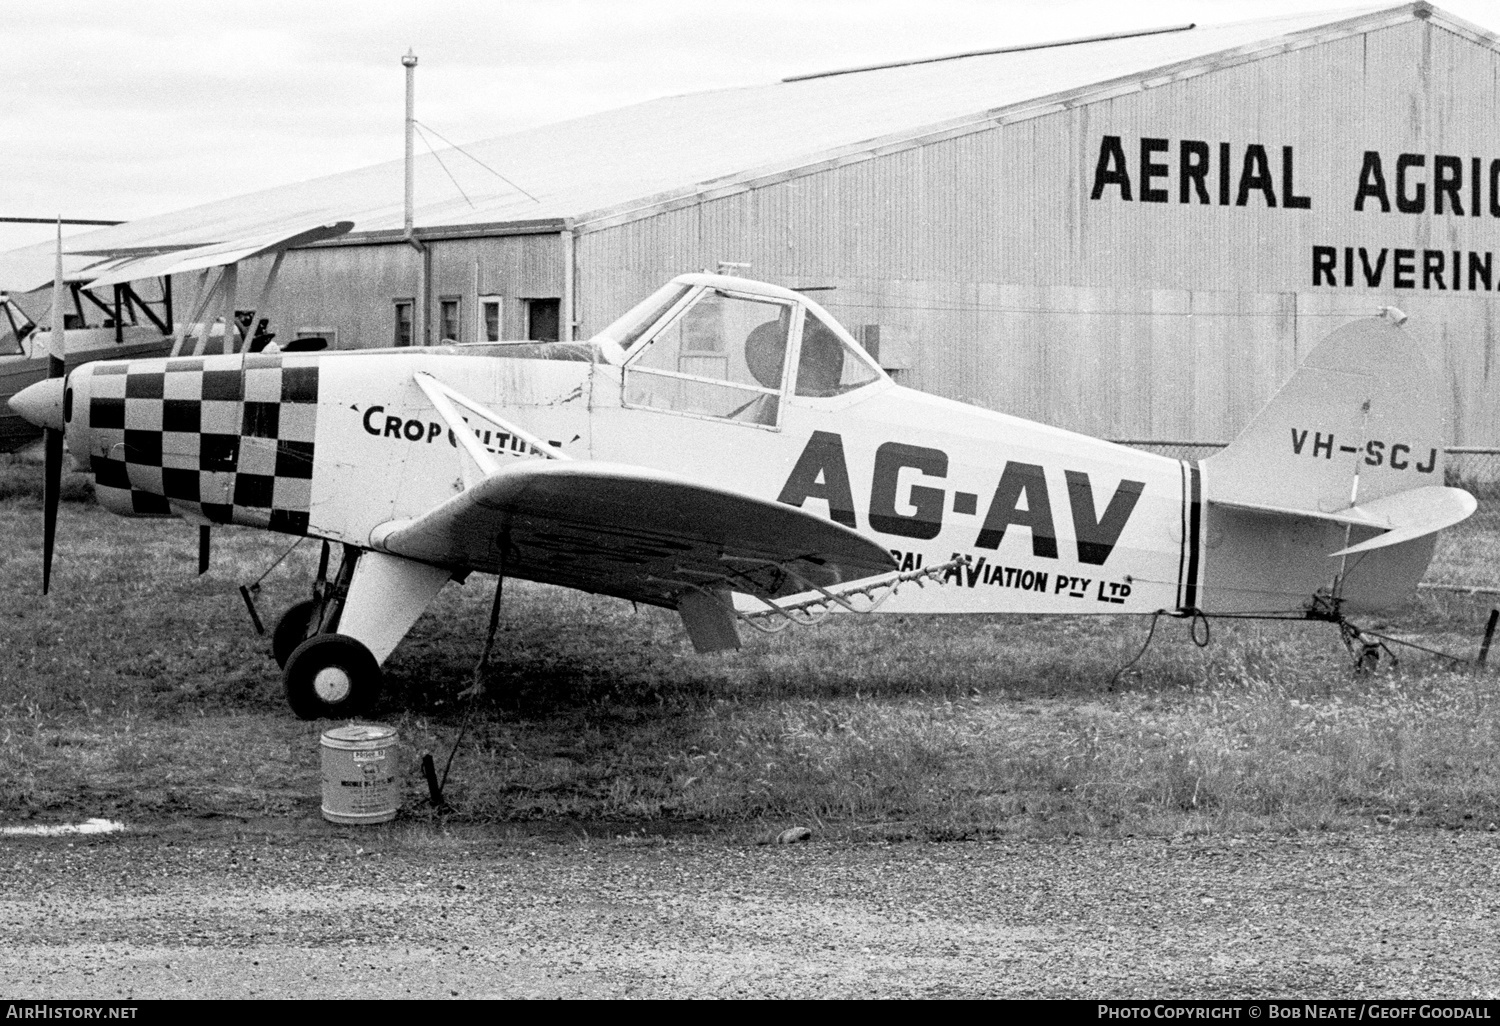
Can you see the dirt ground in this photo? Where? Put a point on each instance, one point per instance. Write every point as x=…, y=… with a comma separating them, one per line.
x=299, y=908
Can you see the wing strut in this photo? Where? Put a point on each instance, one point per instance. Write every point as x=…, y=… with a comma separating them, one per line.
x=448, y=400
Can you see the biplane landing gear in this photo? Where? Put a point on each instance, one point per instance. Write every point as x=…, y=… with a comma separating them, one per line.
x=331, y=675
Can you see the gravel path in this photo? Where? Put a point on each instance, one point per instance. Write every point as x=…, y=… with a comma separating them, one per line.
x=320, y=912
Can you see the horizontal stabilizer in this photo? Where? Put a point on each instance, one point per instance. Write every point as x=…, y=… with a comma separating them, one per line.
x=1399, y=517
x=1408, y=515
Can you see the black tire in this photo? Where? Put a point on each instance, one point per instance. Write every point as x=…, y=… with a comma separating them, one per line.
x=291, y=631
x=331, y=676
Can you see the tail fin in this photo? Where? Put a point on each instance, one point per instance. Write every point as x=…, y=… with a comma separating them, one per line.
x=1360, y=419
x=1345, y=460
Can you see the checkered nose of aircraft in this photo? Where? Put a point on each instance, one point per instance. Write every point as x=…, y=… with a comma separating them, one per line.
x=228, y=439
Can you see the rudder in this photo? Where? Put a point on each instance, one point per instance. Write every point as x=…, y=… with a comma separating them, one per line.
x=1360, y=419
x=1345, y=461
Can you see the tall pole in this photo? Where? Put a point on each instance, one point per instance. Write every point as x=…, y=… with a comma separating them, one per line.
x=409, y=62
x=424, y=274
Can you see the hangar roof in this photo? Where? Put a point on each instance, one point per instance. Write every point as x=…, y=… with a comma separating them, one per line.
x=598, y=170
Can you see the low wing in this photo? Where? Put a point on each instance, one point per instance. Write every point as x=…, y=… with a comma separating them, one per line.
x=638, y=534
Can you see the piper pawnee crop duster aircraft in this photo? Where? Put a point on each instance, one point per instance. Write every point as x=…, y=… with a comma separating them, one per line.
x=727, y=447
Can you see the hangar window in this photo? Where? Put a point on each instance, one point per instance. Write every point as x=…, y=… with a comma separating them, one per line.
x=723, y=356
x=491, y=319
x=827, y=365
x=448, y=318
x=403, y=321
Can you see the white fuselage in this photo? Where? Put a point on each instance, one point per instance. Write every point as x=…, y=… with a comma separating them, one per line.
x=1050, y=521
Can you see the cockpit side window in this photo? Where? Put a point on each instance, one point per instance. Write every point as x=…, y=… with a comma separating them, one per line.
x=724, y=337
x=765, y=349
x=826, y=364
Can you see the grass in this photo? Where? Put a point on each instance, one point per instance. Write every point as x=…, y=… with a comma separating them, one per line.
x=139, y=690
x=21, y=478
x=1469, y=554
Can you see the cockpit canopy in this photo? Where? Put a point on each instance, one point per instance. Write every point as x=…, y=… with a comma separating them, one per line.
x=731, y=348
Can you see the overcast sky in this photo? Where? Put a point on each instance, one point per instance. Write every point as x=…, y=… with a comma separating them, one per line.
x=112, y=110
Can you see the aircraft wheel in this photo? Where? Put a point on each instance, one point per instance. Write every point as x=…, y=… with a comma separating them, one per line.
x=291, y=631
x=331, y=675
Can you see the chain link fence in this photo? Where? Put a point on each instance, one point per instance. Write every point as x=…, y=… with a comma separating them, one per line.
x=1468, y=556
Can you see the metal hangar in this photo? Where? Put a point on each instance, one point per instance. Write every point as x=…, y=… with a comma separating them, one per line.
x=1136, y=236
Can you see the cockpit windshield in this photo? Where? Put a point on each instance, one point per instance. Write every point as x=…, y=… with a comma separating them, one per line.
x=628, y=329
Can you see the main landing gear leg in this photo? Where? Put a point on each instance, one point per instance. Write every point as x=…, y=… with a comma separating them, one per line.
x=338, y=674
x=319, y=614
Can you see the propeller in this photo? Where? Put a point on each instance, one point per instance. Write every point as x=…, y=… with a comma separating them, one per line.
x=56, y=368
x=45, y=403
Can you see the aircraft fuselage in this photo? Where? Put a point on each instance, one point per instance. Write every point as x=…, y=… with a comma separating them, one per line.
x=336, y=444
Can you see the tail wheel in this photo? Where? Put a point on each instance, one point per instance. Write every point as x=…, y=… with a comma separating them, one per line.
x=291, y=631
x=331, y=675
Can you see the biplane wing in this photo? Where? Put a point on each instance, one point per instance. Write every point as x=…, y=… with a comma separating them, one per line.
x=217, y=254
x=19, y=273
x=639, y=534
x=32, y=268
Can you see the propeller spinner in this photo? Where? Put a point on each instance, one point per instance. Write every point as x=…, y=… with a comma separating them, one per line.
x=41, y=403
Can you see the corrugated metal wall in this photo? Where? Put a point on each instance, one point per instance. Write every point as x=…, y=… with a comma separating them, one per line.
x=992, y=271
x=353, y=289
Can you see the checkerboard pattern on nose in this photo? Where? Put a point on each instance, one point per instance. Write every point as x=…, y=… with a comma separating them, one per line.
x=228, y=437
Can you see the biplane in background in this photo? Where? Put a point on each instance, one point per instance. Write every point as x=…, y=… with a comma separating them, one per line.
x=111, y=314
x=133, y=327
x=726, y=448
